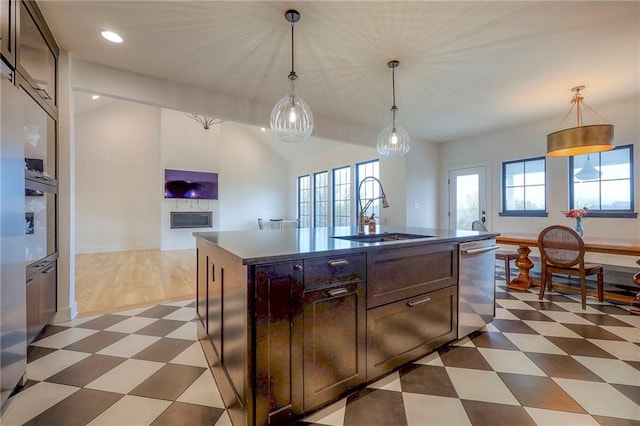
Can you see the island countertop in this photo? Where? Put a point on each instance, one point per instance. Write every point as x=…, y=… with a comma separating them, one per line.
x=267, y=246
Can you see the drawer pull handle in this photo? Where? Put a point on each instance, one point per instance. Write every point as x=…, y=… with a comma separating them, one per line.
x=46, y=271
x=339, y=262
x=338, y=292
x=418, y=302
x=30, y=280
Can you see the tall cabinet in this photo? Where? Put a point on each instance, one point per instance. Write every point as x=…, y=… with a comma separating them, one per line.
x=29, y=185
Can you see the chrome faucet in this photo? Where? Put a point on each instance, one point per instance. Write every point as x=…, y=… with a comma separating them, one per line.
x=361, y=215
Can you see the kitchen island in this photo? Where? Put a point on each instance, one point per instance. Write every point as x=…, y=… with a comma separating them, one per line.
x=290, y=320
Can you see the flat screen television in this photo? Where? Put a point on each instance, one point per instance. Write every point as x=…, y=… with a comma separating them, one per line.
x=190, y=185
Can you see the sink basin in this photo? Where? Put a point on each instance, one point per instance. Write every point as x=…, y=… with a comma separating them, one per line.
x=379, y=238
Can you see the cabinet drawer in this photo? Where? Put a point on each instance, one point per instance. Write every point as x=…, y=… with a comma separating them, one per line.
x=408, y=329
x=400, y=273
x=327, y=271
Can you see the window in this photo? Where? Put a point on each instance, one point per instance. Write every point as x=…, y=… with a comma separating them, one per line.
x=370, y=189
x=603, y=182
x=304, y=201
x=320, y=199
x=342, y=196
x=523, y=187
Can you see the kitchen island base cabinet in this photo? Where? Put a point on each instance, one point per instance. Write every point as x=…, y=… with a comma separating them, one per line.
x=279, y=377
x=403, y=331
x=334, y=342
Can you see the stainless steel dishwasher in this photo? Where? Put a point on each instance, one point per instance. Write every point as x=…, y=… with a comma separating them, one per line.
x=476, y=288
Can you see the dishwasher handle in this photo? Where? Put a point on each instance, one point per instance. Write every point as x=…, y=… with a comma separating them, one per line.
x=479, y=250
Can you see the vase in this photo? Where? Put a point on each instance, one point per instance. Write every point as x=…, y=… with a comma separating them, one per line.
x=579, y=229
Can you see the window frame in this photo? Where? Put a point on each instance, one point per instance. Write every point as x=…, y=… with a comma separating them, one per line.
x=315, y=199
x=333, y=195
x=301, y=221
x=618, y=214
x=522, y=213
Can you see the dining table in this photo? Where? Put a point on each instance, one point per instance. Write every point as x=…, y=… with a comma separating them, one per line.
x=617, y=246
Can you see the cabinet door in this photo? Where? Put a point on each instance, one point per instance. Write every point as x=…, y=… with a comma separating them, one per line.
x=47, y=293
x=408, y=329
x=214, y=306
x=33, y=322
x=201, y=287
x=278, y=343
x=334, y=342
x=8, y=31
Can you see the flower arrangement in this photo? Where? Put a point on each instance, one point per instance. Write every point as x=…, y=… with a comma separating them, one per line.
x=577, y=212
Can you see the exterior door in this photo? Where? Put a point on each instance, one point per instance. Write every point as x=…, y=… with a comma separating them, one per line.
x=467, y=197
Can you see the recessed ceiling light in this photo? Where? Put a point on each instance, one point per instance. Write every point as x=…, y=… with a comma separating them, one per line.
x=111, y=36
x=94, y=97
x=263, y=129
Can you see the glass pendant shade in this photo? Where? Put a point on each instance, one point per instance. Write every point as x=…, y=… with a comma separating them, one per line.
x=393, y=141
x=291, y=118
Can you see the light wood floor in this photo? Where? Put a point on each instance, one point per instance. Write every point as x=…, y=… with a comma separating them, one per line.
x=109, y=282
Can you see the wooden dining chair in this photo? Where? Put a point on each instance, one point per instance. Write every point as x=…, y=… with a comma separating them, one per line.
x=562, y=252
x=501, y=254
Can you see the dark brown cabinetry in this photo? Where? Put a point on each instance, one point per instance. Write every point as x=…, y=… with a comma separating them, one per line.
x=41, y=297
x=8, y=31
x=285, y=338
x=334, y=327
x=279, y=339
x=407, y=329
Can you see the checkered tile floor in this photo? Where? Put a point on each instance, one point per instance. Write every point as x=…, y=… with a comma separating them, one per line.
x=539, y=362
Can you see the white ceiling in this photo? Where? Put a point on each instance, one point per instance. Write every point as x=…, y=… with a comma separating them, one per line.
x=465, y=67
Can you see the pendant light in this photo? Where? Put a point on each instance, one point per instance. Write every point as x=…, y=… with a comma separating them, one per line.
x=580, y=139
x=393, y=140
x=588, y=172
x=291, y=118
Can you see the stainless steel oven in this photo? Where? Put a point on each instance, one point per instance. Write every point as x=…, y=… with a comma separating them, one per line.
x=476, y=289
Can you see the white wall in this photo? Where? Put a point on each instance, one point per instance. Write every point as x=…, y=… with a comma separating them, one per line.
x=527, y=141
x=422, y=179
x=185, y=145
x=118, y=181
x=122, y=151
x=253, y=178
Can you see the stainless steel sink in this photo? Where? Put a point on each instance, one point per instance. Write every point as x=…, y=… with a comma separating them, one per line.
x=379, y=238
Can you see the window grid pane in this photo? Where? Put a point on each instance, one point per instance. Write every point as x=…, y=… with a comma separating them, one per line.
x=524, y=185
x=342, y=196
x=304, y=201
x=321, y=201
x=612, y=190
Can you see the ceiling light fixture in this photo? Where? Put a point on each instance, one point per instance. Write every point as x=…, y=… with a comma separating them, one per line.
x=393, y=140
x=95, y=97
x=580, y=139
x=291, y=118
x=206, y=120
x=112, y=37
x=588, y=172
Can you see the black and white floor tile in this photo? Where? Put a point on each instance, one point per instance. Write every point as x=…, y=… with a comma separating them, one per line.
x=539, y=362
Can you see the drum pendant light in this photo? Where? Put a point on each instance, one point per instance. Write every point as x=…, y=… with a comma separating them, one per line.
x=291, y=118
x=393, y=140
x=580, y=139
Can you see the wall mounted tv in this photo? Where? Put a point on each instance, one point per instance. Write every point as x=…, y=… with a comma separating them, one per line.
x=190, y=185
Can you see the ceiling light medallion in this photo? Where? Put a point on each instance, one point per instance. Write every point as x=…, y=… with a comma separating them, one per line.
x=393, y=140
x=291, y=118
x=580, y=139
